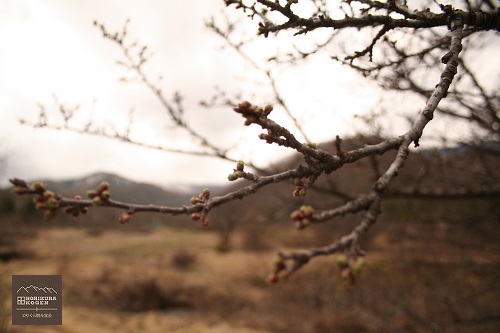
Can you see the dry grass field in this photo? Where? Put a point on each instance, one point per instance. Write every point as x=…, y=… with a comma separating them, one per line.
x=174, y=280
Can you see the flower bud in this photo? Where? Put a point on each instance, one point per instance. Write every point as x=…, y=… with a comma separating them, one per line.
x=272, y=278
x=91, y=194
x=342, y=261
x=358, y=266
x=97, y=201
x=205, y=194
x=307, y=210
x=268, y=109
x=194, y=200
x=52, y=203
x=18, y=182
x=279, y=265
x=296, y=215
x=124, y=218
x=49, y=214
x=38, y=186
x=346, y=274
x=231, y=177
x=240, y=166
x=105, y=195
x=283, y=276
x=245, y=105
x=104, y=186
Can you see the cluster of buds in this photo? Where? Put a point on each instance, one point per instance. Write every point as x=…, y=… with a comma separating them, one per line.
x=252, y=112
x=75, y=210
x=351, y=268
x=201, y=199
x=300, y=188
x=100, y=197
x=279, y=273
x=303, y=216
x=45, y=200
x=239, y=173
x=264, y=28
x=271, y=137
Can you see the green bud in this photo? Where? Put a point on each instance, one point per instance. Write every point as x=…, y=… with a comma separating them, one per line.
x=296, y=215
x=38, y=198
x=342, y=261
x=283, y=276
x=97, y=201
x=105, y=195
x=91, y=194
x=358, y=266
x=104, y=186
x=205, y=194
x=52, y=203
x=240, y=166
x=38, y=186
x=307, y=210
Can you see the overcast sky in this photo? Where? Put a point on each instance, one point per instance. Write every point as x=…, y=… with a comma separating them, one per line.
x=50, y=47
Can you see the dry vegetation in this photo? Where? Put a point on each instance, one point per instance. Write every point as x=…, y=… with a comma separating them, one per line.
x=175, y=280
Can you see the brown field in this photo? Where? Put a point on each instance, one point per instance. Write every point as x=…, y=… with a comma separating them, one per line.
x=174, y=280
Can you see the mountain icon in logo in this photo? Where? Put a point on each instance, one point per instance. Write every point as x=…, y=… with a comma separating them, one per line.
x=47, y=290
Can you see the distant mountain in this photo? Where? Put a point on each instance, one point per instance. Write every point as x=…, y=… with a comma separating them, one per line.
x=121, y=189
